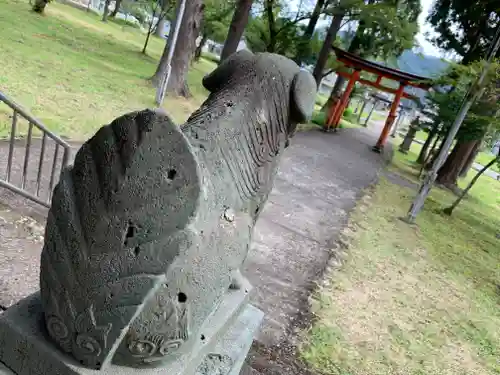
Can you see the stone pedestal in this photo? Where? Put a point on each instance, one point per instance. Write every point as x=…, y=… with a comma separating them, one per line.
x=26, y=349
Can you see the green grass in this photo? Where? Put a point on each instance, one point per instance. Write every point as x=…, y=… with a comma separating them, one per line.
x=76, y=73
x=414, y=299
x=482, y=158
x=348, y=120
x=421, y=135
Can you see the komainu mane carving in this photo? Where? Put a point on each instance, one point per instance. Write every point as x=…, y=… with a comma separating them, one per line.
x=149, y=228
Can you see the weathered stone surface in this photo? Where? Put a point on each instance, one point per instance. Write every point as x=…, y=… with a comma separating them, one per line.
x=27, y=350
x=408, y=139
x=148, y=230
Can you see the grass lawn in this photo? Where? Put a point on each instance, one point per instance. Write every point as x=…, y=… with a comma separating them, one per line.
x=414, y=299
x=421, y=135
x=76, y=73
x=482, y=158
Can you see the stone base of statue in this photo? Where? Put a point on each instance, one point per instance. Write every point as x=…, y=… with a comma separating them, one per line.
x=26, y=349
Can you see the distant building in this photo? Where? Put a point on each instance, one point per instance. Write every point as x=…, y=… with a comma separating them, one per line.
x=216, y=48
x=327, y=83
x=496, y=148
x=166, y=28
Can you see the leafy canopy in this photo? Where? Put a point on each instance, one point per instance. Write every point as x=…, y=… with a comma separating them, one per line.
x=482, y=118
x=465, y=27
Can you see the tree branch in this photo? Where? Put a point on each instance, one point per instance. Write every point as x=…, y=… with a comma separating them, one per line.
x=328, y=73
x=299, y=8
x=449, y=210
x=289, y=24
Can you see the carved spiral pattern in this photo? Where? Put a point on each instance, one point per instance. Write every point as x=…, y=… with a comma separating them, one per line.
x=142, y=348
x=88, y=345
x=170, y=347
x=57, y=329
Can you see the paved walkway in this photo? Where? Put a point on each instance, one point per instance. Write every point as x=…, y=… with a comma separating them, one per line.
x=320, y=179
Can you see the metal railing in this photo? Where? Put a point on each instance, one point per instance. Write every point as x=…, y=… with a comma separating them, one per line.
x=15, y=148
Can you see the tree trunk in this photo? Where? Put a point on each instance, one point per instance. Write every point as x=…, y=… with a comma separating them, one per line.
x=429, y=159
x=237, y=27
x=106, y=10
x=354, y=47
x=470, y=160
x=326, y=49
x=151, y=26
x=303, y=46
x=148, y=35
x=450, y=209
x=184, y=49
x=39, y=6
x=425, y=148
x=449, y=171
x=199, y=48
x=115, y=11
x=271, y=46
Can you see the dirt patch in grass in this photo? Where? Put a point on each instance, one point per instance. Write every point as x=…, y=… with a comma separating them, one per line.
x=76, y=73
x=412, y=299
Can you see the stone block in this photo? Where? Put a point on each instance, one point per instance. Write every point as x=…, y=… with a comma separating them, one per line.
x=26, y=349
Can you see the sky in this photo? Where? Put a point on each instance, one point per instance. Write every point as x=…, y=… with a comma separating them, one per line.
x=428, y=48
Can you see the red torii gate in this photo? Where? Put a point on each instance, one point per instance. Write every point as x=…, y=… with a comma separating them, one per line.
x=358, y=64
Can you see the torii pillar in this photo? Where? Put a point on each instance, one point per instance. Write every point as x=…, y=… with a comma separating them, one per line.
x=379, y=147
x=339, y=107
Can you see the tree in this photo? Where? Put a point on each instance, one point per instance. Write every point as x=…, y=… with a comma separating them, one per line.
x=215, y=23
x=470, y=160
x=467, y=31
x=443, y=104
x=39, y=6
x=309, y=31
x=115, y=11
x=159, y=9
x=106, y=10
x=184, y=49
x=386, y=28
x=236, y=28
x=276, y=30
x=464, y=28
x=326, y=49
x=422, y=156
x=449, y=210
x=481, y=118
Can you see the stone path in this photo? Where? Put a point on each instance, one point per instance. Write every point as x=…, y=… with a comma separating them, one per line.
x=320, y=179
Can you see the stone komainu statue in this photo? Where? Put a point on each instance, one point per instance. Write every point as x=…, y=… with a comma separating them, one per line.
x=149, y=227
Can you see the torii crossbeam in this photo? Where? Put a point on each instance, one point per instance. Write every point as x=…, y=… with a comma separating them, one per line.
x=357, y=64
